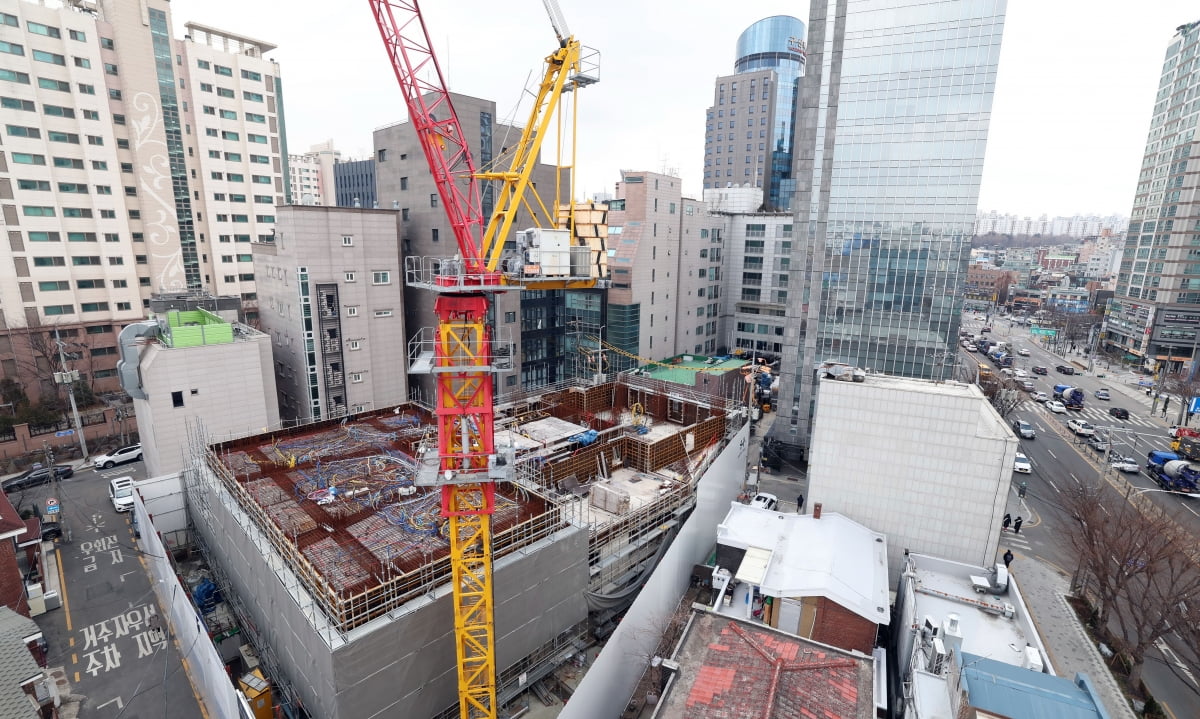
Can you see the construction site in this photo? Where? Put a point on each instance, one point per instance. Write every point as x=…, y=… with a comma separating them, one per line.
x=340, y=562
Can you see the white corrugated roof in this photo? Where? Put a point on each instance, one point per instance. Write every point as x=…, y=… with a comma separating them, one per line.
x=833, y=557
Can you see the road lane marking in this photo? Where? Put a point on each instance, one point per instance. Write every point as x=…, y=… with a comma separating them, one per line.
x=1185, y=506
x=1166, y=649
x=1072, y=475
x=62, y=588
x=1052, y=454
x=1055, y=486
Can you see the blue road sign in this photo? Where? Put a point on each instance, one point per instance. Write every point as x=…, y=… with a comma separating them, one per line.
x=1195, y=405
x=64, y=433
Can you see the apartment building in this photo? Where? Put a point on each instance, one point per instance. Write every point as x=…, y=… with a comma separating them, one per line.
x=311, y=179
x=131, y=163
x=354, y=183
x=332, y=300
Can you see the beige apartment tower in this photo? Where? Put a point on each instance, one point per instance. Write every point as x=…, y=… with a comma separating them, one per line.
x=132, y=163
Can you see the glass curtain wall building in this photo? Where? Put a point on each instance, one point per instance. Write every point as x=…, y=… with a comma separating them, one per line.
x=891, y=133
x=750, y=127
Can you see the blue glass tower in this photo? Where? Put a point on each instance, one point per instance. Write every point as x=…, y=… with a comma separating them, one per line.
x=755, y=146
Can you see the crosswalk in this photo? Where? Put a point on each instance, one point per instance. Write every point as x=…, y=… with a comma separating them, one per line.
x=1095, y=415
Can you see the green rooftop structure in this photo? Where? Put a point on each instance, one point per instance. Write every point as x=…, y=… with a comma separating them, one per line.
x=193, y=328
x=686, y=369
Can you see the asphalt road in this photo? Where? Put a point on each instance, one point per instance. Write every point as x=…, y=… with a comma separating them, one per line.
x=109, y=635
x=1060, y=461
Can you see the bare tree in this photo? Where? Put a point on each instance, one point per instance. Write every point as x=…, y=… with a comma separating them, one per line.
x=1185, y=387
x=1134, y=566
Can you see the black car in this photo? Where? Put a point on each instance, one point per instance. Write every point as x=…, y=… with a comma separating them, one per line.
x=1039, y=370
x=35, y=477
x=1064, y=369
x=1118, y=412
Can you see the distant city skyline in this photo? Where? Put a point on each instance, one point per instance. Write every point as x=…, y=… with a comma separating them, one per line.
x=1069, y=119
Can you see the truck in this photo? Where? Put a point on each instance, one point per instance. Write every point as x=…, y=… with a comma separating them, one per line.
x=1072, y=397
x=1173, y=473
x=1002, y=359
x=1187, y=446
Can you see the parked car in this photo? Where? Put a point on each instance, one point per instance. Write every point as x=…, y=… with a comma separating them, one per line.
x=1101, y=394
x=1023, y=352
x=1020, y=373
x=37, y=476
x=764, y=500
x=132, y=453
x=972, y=348
x=1056, y=407
x=1039, y=370
x=966, y=344
x=1119, y=412
x=1023, y=429
x=1064, y=369
x=1021, y=464
x=1098, y=442
x=120, y=493
x=984, y=330
x=1039, y=397
x=1124, y=464
x=1081, y=428
x=1027, y=386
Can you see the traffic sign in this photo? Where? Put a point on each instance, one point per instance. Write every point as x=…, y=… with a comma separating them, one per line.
x=1042, y=331
x=51, y=505
x=1195, y=408
x=64, y=433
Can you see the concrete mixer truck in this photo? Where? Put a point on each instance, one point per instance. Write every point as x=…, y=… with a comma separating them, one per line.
x=1173, y=473
x=1072, y=397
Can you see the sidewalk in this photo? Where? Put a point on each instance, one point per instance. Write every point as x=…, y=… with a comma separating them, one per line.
x=1071, y=650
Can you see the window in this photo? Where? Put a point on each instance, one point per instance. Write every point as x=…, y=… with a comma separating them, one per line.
x=228, y=135
x=237, y=198
x=41, y=185
x=203, y=64
x=403, y=183
x=24, y=158
x=435, y=234
x=103, y=351
x=12, y=48
x=116, y=260
x=68, y=137
x=49, y=58
x=37, y=211
x=71, y=162
x=58, y=111
x=252, y=96
x=83, y=62
x=10, y=20
x=103, y=189
x=239, y=218
x=58, y=310
x=224, y=92
x=228, y=115
x=404, y=214
x=246, y=277
x=91, y=115
x=222, y=70
x=352, y=312
x=350, y=277
x=233, y=156
x=235, y=177
x=354, y=345
x=260, y=159
x=107, y=43
x=77, y=212
x=381, y=156
x=77, y=188
x=49, y=262
x=261, y=179
x=112, y=237
x=347, y=240
x=94, y=307
x=23, y=131
x=263, y=199
x=110, y=69
x=381, y=277
x=140, y=259
x=81, y=237
x=177, y=399
x=251, y=75
x=44, y=237
x=205, y=87
x=383, y=313
x=54, y=286
x=85, y=261
x=90, y=284
x=122, y=306
x=47, y=83
x=12, y=103
x=356, y=376
x=260, y=139
x=14, y=76
x=114, y=94
x=433, y=200
x=110, y=215
x=255, y=117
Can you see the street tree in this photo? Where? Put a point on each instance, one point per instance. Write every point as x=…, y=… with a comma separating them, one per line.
x=1183, y=386
x=1134, y=567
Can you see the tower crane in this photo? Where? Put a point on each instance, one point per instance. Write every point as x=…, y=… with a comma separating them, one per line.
x=463, y=351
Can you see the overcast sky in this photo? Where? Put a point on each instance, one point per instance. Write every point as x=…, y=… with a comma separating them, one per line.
x=1072, y=108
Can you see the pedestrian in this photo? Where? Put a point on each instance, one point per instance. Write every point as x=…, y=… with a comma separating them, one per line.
x=1017, y=525
x=1007, y=521
x=799, y=503
x=1008, y=557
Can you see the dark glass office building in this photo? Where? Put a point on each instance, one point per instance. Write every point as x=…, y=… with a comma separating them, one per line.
x=355, y=180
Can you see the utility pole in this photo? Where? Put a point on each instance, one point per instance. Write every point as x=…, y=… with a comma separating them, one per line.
x=69, y=378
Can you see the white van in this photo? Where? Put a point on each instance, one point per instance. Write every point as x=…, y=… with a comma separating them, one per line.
x=120, y=492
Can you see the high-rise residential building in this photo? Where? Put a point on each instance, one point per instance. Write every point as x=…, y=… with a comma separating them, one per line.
x=331, y=298
x=750, y=128
x=311, y=176
x=132, y=164
x=891, y=130
x=1155, y=314
x=665, y=294
x=354, y=182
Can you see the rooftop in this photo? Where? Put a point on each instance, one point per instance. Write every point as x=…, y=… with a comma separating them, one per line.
x=683, y=369
x=1005, y=690
x=17, y=665
x=732, y=668
x=833, y=556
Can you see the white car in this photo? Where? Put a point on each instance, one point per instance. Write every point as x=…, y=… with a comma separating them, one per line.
x=1020, y=373
x=1023, y=352
x=1081, y=428
x=1039, y=396
x=1056, y=407
x=1124, y=464
x=762, y=500
x=132, y=453
x=1021, y=464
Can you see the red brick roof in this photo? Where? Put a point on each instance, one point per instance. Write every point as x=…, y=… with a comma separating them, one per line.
x=731, y=668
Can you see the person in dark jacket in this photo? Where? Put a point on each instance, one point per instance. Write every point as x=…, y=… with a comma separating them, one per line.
x=1017, y=525
x=1007, y=521
x=1008, y=557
